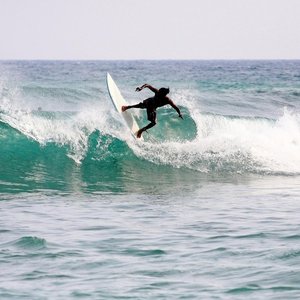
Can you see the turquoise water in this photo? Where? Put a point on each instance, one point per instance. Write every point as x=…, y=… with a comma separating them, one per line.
x=205, y=208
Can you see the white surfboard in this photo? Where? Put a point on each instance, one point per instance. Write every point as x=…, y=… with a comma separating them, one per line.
x=118, y=101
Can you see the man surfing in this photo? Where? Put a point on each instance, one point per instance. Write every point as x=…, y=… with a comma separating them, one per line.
x=151, y=104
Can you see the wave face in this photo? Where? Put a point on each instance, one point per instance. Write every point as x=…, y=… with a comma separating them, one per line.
x=59, y=130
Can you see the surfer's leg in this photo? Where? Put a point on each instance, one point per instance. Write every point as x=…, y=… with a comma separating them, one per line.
x=151, y=115
x=139, y=105
x=152, y=118
x=150, y=125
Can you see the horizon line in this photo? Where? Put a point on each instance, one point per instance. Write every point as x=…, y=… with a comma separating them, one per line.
x=149, y=59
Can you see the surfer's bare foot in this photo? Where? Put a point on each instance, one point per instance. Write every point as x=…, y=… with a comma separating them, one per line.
x=139, y=133
x=124, y=108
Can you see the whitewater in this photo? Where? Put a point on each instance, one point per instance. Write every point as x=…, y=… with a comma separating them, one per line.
x=218, y=191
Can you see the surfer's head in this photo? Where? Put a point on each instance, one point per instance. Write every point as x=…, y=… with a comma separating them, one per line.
x=163, y=91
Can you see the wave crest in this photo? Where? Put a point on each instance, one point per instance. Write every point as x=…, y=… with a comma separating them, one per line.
x=203, y=142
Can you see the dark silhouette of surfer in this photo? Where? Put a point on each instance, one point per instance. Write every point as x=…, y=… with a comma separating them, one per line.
x=151, y=104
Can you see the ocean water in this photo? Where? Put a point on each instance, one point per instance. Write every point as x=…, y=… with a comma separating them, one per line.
x=205, y=208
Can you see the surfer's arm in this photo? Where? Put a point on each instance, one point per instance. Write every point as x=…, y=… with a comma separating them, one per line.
x=176, y=108
x=150, y=87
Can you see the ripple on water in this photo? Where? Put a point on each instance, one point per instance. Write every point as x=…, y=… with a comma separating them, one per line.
x=27, y=242
x=142, y=252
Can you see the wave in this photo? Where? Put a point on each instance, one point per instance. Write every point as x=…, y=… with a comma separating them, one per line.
x=206, y=143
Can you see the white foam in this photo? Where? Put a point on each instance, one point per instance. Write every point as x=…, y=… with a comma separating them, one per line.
x=222, y=143
x=233, y=144
x=67, y=129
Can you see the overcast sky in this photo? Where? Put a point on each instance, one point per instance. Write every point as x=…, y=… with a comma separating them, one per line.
x=150, y=29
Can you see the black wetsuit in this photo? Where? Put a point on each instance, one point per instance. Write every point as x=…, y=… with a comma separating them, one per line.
x=151, y=104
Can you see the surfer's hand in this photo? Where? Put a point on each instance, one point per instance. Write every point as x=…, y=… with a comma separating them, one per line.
x=138, y=89
x=180, y=116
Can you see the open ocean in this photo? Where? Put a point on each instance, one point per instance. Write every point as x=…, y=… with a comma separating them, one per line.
x=205, y=208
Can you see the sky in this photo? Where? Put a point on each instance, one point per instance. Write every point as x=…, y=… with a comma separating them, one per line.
x=149, y=29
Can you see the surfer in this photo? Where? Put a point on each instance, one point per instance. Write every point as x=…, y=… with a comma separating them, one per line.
x=151, y=104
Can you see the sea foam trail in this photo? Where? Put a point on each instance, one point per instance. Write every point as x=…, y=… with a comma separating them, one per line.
x=233, y=144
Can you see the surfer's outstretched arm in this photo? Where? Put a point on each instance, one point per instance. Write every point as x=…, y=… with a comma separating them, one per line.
x=150, y=87
x=176, y=108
